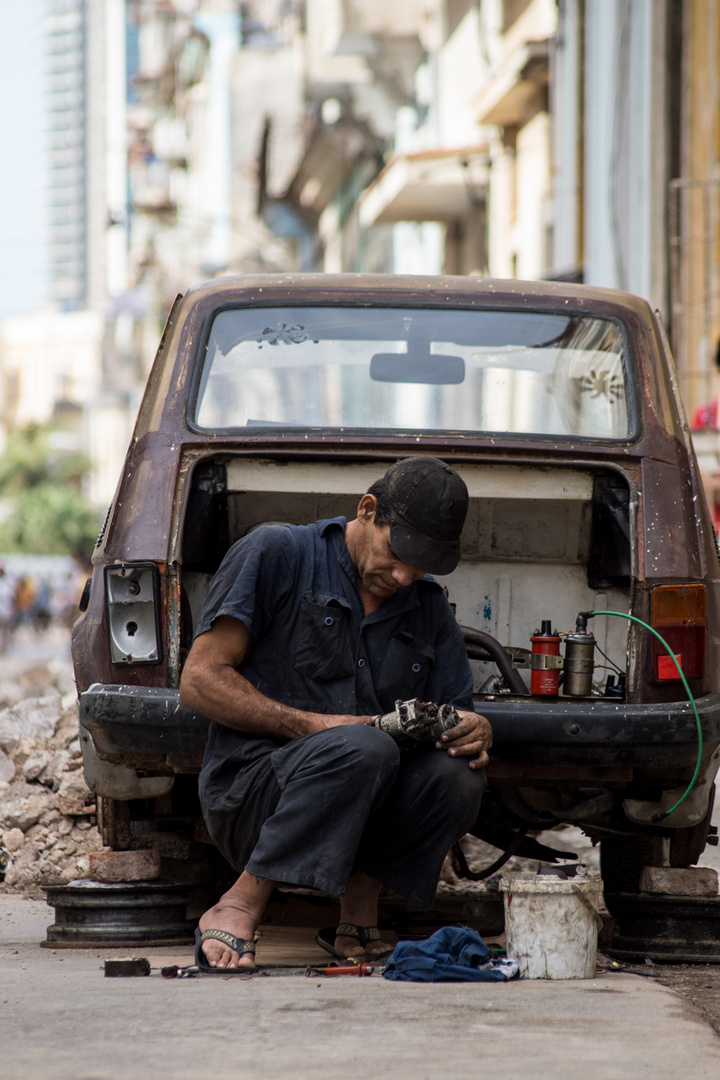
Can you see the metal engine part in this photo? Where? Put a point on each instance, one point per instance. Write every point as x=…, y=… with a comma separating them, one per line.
x=415, y=720
x=579, y=664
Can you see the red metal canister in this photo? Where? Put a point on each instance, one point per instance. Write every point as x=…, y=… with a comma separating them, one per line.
x=545, y=661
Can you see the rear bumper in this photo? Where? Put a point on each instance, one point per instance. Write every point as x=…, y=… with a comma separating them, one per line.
x=603, y=733
x=136, y=724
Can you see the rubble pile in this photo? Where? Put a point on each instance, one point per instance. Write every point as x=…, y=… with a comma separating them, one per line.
x=47, y=812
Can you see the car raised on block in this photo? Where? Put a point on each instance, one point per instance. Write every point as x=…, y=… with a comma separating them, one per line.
x=280, y=398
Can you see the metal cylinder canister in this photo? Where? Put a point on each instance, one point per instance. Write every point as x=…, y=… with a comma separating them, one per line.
x=579, y=664
x=545, y=661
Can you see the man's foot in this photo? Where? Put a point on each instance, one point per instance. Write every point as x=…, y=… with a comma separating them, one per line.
x=359, y=908
x=357, y=942
x=238, y=912
x=239, y=946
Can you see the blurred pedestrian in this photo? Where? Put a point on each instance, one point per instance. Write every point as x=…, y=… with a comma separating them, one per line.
x=23, y=600
x=6, y=607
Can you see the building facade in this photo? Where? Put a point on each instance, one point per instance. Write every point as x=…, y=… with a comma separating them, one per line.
x=571, y=139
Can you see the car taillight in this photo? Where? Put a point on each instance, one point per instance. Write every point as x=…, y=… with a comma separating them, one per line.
x=677, y=612
x=132, y=593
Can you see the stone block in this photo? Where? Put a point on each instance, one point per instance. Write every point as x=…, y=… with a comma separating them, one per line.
x=114, y=866
x=676, y=881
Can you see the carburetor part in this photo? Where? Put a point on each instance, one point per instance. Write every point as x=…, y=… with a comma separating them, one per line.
x=415, y=720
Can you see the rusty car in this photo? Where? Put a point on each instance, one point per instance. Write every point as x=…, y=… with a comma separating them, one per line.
x=588, y=582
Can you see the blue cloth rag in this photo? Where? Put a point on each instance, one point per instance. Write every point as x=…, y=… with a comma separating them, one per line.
x=453, y=954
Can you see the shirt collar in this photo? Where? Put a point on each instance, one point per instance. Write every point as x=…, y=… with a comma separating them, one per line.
x=405, y=599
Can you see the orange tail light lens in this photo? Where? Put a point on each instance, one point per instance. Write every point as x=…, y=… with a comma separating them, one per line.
x=678, y=613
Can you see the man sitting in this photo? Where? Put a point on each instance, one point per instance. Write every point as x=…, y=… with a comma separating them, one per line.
x=308, y=633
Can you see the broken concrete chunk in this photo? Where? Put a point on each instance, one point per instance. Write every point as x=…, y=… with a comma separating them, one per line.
x=24, y=749
x=74, y=797
x=7, y=768
x=36, y=764
x=25, y=811
x=75, y=807
x=13, y=839
x=54, y=770
x=35, y=717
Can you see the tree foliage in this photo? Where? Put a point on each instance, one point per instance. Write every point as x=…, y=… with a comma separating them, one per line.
x=41, y=483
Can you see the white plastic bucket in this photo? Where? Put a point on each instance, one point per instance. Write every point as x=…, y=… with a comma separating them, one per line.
x=549, y=930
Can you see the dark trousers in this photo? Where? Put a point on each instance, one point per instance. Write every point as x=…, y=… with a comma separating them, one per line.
x=346, y=799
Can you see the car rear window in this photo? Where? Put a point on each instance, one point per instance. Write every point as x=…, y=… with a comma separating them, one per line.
x=404, y=369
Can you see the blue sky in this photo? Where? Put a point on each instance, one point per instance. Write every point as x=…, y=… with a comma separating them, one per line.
x=22, y=203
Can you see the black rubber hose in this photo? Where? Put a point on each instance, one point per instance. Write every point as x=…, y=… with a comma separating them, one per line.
x=479, y=875
x=503, y=661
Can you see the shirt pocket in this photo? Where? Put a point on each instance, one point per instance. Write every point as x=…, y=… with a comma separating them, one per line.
x=405, y=670
x=324, y=650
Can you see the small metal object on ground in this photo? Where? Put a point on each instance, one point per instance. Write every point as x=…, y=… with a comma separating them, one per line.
x=670, y=929
x=89, y=914
x=125, y=967
x=615, y=966
x=342, y=969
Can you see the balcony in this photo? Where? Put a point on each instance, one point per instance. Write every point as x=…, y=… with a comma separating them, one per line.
x=428, y=185
x=517, y=88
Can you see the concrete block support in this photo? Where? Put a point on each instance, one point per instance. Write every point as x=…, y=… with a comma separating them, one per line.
x=674, y=881
x=115, y=866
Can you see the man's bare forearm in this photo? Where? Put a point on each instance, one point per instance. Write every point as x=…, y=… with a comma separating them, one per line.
x=226, y=696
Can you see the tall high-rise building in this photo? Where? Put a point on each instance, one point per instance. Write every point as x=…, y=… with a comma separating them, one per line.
x=63, y=188
x=86, y=161
x=66, y=111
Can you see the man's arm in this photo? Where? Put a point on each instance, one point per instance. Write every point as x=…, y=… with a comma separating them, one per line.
x=211, y=685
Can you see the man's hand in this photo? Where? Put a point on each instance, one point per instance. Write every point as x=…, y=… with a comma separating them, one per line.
x=472, y=737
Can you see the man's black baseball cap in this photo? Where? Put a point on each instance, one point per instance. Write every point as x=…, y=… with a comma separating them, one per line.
x=429, y=503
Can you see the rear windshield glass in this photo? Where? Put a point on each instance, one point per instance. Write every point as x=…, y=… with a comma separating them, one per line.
x=414, y=370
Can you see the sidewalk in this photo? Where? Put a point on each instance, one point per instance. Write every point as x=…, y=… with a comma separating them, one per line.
x=60, y=1019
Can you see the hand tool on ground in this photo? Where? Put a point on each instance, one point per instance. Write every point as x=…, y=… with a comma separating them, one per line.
x=342, y=969
x=124, y=967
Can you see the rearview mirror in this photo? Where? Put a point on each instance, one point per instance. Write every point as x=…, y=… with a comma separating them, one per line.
x=432, y=369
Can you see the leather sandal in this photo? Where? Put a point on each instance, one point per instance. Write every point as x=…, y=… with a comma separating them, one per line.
x=240, y=945
x=326, y=940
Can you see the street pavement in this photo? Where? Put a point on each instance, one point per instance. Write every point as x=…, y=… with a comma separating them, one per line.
x=61, y=1019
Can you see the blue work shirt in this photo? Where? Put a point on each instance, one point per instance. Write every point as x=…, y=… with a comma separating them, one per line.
x=311, y=645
